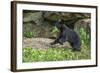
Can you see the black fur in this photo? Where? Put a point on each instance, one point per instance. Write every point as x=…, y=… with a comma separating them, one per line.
x=67, y=34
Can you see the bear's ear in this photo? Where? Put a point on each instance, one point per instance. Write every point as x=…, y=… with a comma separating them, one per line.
x=61, y=21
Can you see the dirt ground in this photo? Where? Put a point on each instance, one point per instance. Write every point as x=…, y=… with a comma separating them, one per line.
x=41, y=43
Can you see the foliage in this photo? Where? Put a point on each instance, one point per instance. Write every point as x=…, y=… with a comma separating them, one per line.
x=54, y=31
x=54, y=54
x=29, y=34
x=85, y=38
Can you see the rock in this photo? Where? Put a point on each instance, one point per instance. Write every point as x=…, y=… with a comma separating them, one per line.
x=35, y=17
x=84, y=23
x=35, y=21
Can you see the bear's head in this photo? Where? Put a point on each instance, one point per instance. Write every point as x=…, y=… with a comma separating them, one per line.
x=59, y=23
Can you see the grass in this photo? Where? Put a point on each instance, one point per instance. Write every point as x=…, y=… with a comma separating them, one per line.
x=54, y=54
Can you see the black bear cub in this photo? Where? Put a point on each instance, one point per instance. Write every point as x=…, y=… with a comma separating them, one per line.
x=67, y=34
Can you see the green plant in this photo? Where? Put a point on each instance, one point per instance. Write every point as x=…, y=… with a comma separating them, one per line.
x=55, y=54
x=54, y=31
x=28, y=34
x=85, y=38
